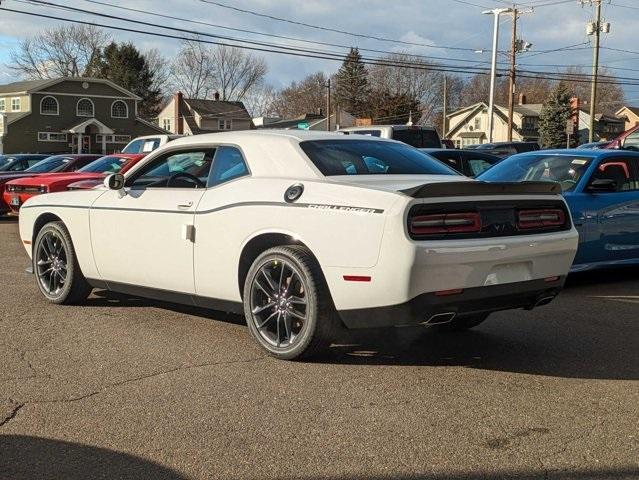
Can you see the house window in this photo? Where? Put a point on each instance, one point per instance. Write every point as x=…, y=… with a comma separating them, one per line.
x=49, y=106
x=3, y=106
x=113, y=138
x=477, y=123
x=225, y=124
x=52, y=137
x=15, y=104
x=119, y=109
x=84, y=108
x=167, y=124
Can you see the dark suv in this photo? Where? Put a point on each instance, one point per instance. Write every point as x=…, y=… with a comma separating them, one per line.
x=506, y=149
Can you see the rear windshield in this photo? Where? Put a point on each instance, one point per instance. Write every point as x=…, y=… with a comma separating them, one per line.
x=50, y=164
x=417, y=137
x=142, y=145
x=110, y=164
x=370, y=157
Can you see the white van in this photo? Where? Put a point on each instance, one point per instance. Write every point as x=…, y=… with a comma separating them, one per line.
x=148, y=143
x=417, y=136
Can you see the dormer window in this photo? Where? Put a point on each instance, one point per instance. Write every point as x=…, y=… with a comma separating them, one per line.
x=119, y=109
x=49, y=106
x=84, y=108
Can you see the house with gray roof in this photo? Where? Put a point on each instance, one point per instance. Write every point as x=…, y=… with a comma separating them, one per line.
x=192, y=116
x=63, y=115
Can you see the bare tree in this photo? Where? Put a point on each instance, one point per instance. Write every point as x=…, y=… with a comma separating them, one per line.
x=610, y=95
x=260, y=101
x=58, y=52
x=192, y=70
x=236, y=72
x=159, y=68
x=306, y=96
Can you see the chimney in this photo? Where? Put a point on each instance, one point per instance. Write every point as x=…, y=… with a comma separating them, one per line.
x=522, y=99
x=178, y=120
x=575, y=104
x=217, y=96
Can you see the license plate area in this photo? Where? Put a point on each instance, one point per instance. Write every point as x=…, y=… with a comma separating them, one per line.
x=15, y=201
x=509, y=273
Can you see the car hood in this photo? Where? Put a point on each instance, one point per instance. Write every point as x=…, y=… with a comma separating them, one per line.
x=396, y=182
x=14, y=176
x=61, y=177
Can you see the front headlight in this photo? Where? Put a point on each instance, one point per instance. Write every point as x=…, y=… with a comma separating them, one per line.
x=11, y=188
x=43, y=189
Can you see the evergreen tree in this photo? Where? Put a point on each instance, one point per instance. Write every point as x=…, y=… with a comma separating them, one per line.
x=554, y=116
x=351, y=90
x=124, y=65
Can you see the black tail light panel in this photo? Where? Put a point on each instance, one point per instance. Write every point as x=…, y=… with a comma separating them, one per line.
x=496, y=219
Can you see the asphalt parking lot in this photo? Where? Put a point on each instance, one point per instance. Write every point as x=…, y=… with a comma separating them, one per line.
x=134, y=389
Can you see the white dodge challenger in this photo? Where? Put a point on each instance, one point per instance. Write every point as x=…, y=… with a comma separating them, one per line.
x=304, y=232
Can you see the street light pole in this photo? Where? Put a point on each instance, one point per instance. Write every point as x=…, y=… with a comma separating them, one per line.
x=491, y=101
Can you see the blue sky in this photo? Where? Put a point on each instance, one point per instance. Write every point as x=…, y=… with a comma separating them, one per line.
x=444, y=23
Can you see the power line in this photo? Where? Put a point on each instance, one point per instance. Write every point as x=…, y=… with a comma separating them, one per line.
x=261, y=47
x=335, y=30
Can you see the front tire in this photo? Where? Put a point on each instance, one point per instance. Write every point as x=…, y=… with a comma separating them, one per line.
x=287, y=304
x=56, y=268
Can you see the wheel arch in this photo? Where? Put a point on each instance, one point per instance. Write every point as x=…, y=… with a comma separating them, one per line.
x=259, y=243
x=41, y=221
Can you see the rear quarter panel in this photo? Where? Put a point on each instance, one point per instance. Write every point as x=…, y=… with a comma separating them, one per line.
x=231, y=215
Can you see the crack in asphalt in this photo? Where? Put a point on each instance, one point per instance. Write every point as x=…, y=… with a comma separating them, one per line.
x=12, y=414
x=145, y=377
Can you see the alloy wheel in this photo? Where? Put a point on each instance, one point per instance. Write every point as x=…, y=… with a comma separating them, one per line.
x=279, y=309
x=51, y=263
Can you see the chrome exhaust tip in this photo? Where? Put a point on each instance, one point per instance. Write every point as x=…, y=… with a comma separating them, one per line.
x=440, y=318
x=544, y=301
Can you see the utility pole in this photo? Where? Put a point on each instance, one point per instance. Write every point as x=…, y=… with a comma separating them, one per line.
x=516, y=46
x=595, y=28
x=491, y=102
x=511, y=95
x=328, y=105
x=445, y=112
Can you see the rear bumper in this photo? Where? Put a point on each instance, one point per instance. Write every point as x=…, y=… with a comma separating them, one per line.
x=484, y=299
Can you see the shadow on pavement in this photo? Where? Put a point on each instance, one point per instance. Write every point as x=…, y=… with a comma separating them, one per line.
x=579, y=337
x=599, y=474
x=34, y=458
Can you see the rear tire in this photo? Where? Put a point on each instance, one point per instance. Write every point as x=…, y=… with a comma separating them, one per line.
x=287, y=304
x=56, y=268
x=463, y=323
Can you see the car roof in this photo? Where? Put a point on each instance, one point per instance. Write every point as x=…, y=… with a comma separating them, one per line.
x=584, y=152
x=248, y=135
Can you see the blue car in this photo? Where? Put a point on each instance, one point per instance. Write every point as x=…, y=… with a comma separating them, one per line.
x=601, y=188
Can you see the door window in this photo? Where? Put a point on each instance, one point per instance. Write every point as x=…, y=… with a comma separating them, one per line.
x=182, y=169
x=620, y=170
x=227, y=165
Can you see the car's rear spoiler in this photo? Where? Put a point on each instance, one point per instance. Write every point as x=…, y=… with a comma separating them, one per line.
x=475, y=188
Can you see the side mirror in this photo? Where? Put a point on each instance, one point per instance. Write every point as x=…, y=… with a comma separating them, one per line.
x=115, y=181
x=602, y=185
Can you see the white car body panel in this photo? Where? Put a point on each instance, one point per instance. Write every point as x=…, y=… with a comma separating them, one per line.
x=354, y=225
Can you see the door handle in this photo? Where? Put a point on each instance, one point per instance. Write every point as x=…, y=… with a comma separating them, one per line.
x=185, y=205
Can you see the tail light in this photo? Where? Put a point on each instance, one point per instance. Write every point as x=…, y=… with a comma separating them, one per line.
x=541, y=218
x=443, y=223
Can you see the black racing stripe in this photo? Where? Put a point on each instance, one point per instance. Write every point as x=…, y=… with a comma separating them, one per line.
x=315, y=206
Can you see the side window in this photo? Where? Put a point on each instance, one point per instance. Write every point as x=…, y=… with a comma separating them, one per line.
x=182, y=169
x=452, y=161
x=632, y=140
x=619, y=170
x=32, y=161
x=477, y=166
x=227, y=165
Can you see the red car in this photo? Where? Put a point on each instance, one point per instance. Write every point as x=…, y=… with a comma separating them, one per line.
x=17, y=192
x=55, y=163
x=628, y=140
